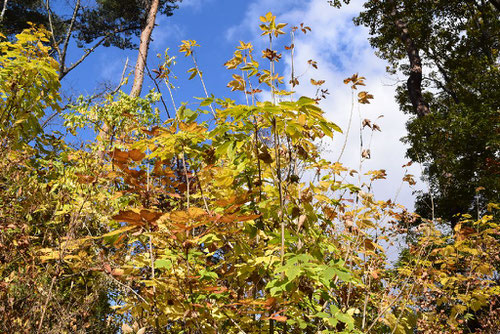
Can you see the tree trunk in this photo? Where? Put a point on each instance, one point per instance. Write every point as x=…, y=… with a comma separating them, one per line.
x=143, y=49
x=414, y=83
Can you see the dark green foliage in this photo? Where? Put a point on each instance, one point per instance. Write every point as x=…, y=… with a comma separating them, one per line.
x=458, y=42
x=121, y=19
x=19, y=13
x=89, y=24
x=118, y=20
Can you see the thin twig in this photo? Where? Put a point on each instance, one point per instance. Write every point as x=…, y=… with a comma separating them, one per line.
x=348, y=128
x=234, y=322
x=202, y=83
x=157, y=87
x=46, y=303
x=127, y=287
x=122, y=79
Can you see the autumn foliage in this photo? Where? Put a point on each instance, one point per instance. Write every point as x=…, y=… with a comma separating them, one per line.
x=225, y=218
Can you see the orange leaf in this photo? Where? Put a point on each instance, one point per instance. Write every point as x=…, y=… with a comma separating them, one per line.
x=119, y=155
x=128, y=216
x=107, y=268
x=247, y=217
x=150, y=216
x=117, y=272
x=136, y=155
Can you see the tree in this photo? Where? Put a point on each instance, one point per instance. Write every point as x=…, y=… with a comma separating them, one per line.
x=454, y=133
x=213, y=226
x=102, y=22
x=131, y=16
x=41, y=201
x=144, y=48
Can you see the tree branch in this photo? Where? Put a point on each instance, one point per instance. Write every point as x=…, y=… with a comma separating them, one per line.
x=55, y=44
x=3, y=10
x=66, y=70
x=414, y=83
x=68, y=34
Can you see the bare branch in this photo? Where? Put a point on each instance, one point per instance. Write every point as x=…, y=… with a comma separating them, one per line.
x=122, y=79
x=51, y=27
x=3, y=10
x=66, y=70
x=68, y=34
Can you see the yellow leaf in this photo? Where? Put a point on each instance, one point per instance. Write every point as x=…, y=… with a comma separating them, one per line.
x=118, y=231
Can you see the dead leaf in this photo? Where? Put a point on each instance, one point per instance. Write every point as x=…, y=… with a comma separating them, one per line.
x=136, y=155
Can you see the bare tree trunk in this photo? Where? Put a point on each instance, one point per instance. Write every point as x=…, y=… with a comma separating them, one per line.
x=143, y=49
x=414, y=83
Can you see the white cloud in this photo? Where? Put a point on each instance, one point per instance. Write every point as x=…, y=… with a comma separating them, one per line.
x=112, y=67
x=164, y=32
x=342, y=49
x=196, y=5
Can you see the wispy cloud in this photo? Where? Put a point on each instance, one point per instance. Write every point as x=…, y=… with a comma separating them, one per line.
x=111, y=68
x=196, y=5
x=166, y=32
x=342, y=49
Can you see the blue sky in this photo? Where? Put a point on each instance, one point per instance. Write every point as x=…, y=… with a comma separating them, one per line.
x=340, y=48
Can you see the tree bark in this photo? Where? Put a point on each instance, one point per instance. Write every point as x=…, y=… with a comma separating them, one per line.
x=143, y=49
x=414, y=83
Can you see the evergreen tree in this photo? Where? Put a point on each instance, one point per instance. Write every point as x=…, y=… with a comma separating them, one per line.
x=101, y=22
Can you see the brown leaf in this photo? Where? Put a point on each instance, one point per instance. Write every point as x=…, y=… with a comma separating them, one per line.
x=279, y=318
x=247, y=217
x=317, y=83
x=301, y=221
x=313, y=63
x=407, y=164
x=153, y=132
x=364, y=97
x=265, y=156
x=150, y=216
x=117, y=272
x=119, y=155
x=135, y=173
x=215, y=289
x=270, y=301
x=107, y=268
x=136, y=155
x=128, y=216
x=367, y=122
